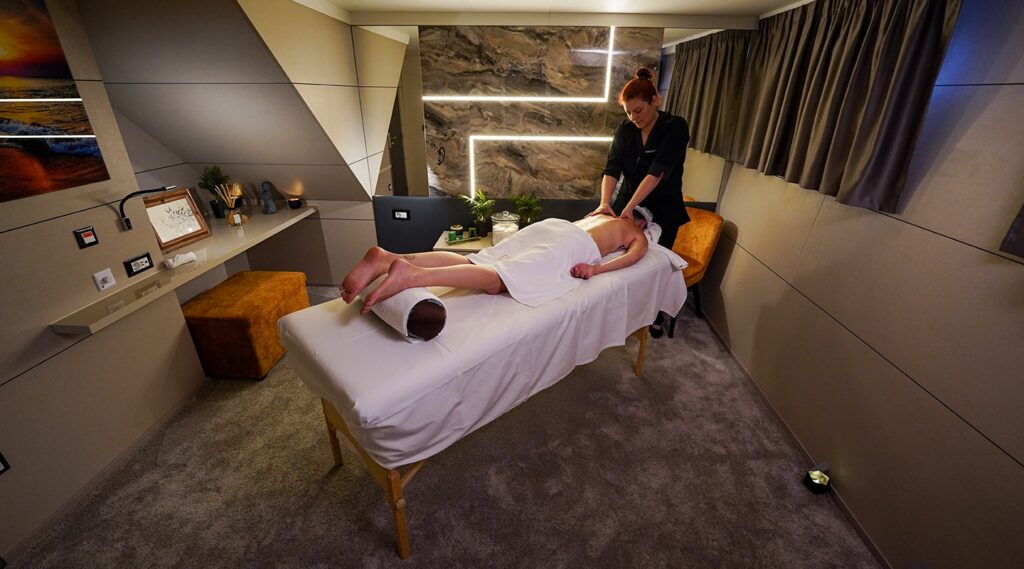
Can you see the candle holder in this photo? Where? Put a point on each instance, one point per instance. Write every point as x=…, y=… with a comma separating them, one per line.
x=295, y=203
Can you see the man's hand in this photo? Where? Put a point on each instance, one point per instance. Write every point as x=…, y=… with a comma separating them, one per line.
x=627, y=213
x=604, y=209
x=583, y=271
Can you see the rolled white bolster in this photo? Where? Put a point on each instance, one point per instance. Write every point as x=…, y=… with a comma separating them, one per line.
x=401, y=313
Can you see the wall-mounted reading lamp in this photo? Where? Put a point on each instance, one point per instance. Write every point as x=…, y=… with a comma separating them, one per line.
x=127, y=223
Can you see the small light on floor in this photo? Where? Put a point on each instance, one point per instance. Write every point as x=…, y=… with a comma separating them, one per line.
x=816, y=479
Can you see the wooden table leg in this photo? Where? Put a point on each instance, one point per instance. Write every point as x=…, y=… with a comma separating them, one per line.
x=398, y=509
x=332, y=437
x=641, y=335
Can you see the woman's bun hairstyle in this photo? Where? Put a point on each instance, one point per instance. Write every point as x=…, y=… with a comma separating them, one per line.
x=643, y=73
x=640, y=86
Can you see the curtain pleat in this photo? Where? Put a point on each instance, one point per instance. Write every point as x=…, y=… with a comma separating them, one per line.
x=706, y=84
x=836, y=91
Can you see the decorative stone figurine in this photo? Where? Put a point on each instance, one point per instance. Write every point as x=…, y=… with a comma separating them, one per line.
x=267, y=195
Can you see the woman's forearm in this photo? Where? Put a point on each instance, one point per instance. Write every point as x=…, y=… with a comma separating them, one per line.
x=607, y=187
x=645, y=188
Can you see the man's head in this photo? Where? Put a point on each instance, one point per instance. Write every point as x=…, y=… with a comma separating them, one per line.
x=641, y=217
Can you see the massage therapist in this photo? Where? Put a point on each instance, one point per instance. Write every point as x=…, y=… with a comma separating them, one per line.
x=648, y=149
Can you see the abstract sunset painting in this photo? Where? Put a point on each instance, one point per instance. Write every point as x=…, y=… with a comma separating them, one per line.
x=46, y=141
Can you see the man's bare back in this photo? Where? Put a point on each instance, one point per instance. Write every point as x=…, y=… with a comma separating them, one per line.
x=610, y=233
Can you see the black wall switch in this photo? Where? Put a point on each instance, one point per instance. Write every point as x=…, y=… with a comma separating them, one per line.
x=138, y=264
x=86, y=237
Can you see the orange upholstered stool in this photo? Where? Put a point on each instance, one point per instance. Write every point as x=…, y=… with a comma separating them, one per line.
x=695, y=243
x=234, y=324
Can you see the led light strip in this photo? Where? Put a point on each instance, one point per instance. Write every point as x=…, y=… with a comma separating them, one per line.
x=74, y=100
x=487, y=137
x=531, y=99
x=47, y=135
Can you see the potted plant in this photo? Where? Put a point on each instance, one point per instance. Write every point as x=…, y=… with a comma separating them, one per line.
x=528, y=207
x=480, y=206
x=213, y=180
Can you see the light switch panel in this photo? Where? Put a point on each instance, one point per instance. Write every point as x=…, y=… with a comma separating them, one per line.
x=104, y=279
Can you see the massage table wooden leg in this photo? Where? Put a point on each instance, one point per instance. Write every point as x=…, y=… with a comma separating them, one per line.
x=641, y=335
x=332, y=437
x=389, y=479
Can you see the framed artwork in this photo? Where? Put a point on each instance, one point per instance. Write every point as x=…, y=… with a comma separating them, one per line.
x=175, y=219
x=46, y=141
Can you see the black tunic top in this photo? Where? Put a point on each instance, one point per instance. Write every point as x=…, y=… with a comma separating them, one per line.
x=663, y=154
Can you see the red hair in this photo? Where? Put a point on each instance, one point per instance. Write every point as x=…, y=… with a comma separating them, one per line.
x=641, y=86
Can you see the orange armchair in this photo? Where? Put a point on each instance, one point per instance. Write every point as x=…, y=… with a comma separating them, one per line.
x=695, y=243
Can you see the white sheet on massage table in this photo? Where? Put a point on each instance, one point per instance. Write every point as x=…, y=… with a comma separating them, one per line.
x=406, y=402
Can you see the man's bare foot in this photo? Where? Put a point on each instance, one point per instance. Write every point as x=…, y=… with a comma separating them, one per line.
x=374, y=264
x=400, y=277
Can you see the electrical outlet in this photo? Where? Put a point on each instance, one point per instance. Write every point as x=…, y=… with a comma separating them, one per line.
x=104, y=279
x=136, y=265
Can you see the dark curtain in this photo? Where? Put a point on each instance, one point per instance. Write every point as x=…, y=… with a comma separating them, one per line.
x=836, y=91
x=706, y=86
x=1014, y=241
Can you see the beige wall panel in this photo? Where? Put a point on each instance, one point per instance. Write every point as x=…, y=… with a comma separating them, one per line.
x=900, y=459
x=347, y=242
x=66, y=420
x=46, y=277
x=338, y=111
x=73, y=39
x=702, y=175
x=301, y=247
x=946, y=314
x=324, y=249
x=411, y=111
x=377, y=104
x=182, y=175
x=328, y=8
x=966, y=178
x=317, y=182
x=734, y=294
x=186, y=41
x=375, y=163
x=769, y=217
x=22, y=212
x=343, y=210
x=378, y=59
x=144, y=151
x=986, y=44
x=267, y=124
x=361, y=169
x=212, y=277
x=310, y=46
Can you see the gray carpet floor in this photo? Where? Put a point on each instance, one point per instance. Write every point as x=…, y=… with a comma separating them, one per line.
x=684, y=467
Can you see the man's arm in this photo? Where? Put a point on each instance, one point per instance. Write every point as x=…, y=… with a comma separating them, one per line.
x=635, y=250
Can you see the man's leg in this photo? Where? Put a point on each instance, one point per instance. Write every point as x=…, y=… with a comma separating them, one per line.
x=404, y=274
x=376, y=262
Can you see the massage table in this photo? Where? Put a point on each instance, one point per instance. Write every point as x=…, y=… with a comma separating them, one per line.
x=400, y=403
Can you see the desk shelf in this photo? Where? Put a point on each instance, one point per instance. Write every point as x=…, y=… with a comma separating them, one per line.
x=225, y=242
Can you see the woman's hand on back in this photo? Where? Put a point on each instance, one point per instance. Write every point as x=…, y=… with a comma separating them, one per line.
x=603, y=209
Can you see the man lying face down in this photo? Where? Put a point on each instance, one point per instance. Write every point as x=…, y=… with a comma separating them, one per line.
x=536, y=264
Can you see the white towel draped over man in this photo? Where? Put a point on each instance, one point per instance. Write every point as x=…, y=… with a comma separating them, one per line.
x=536, y=264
